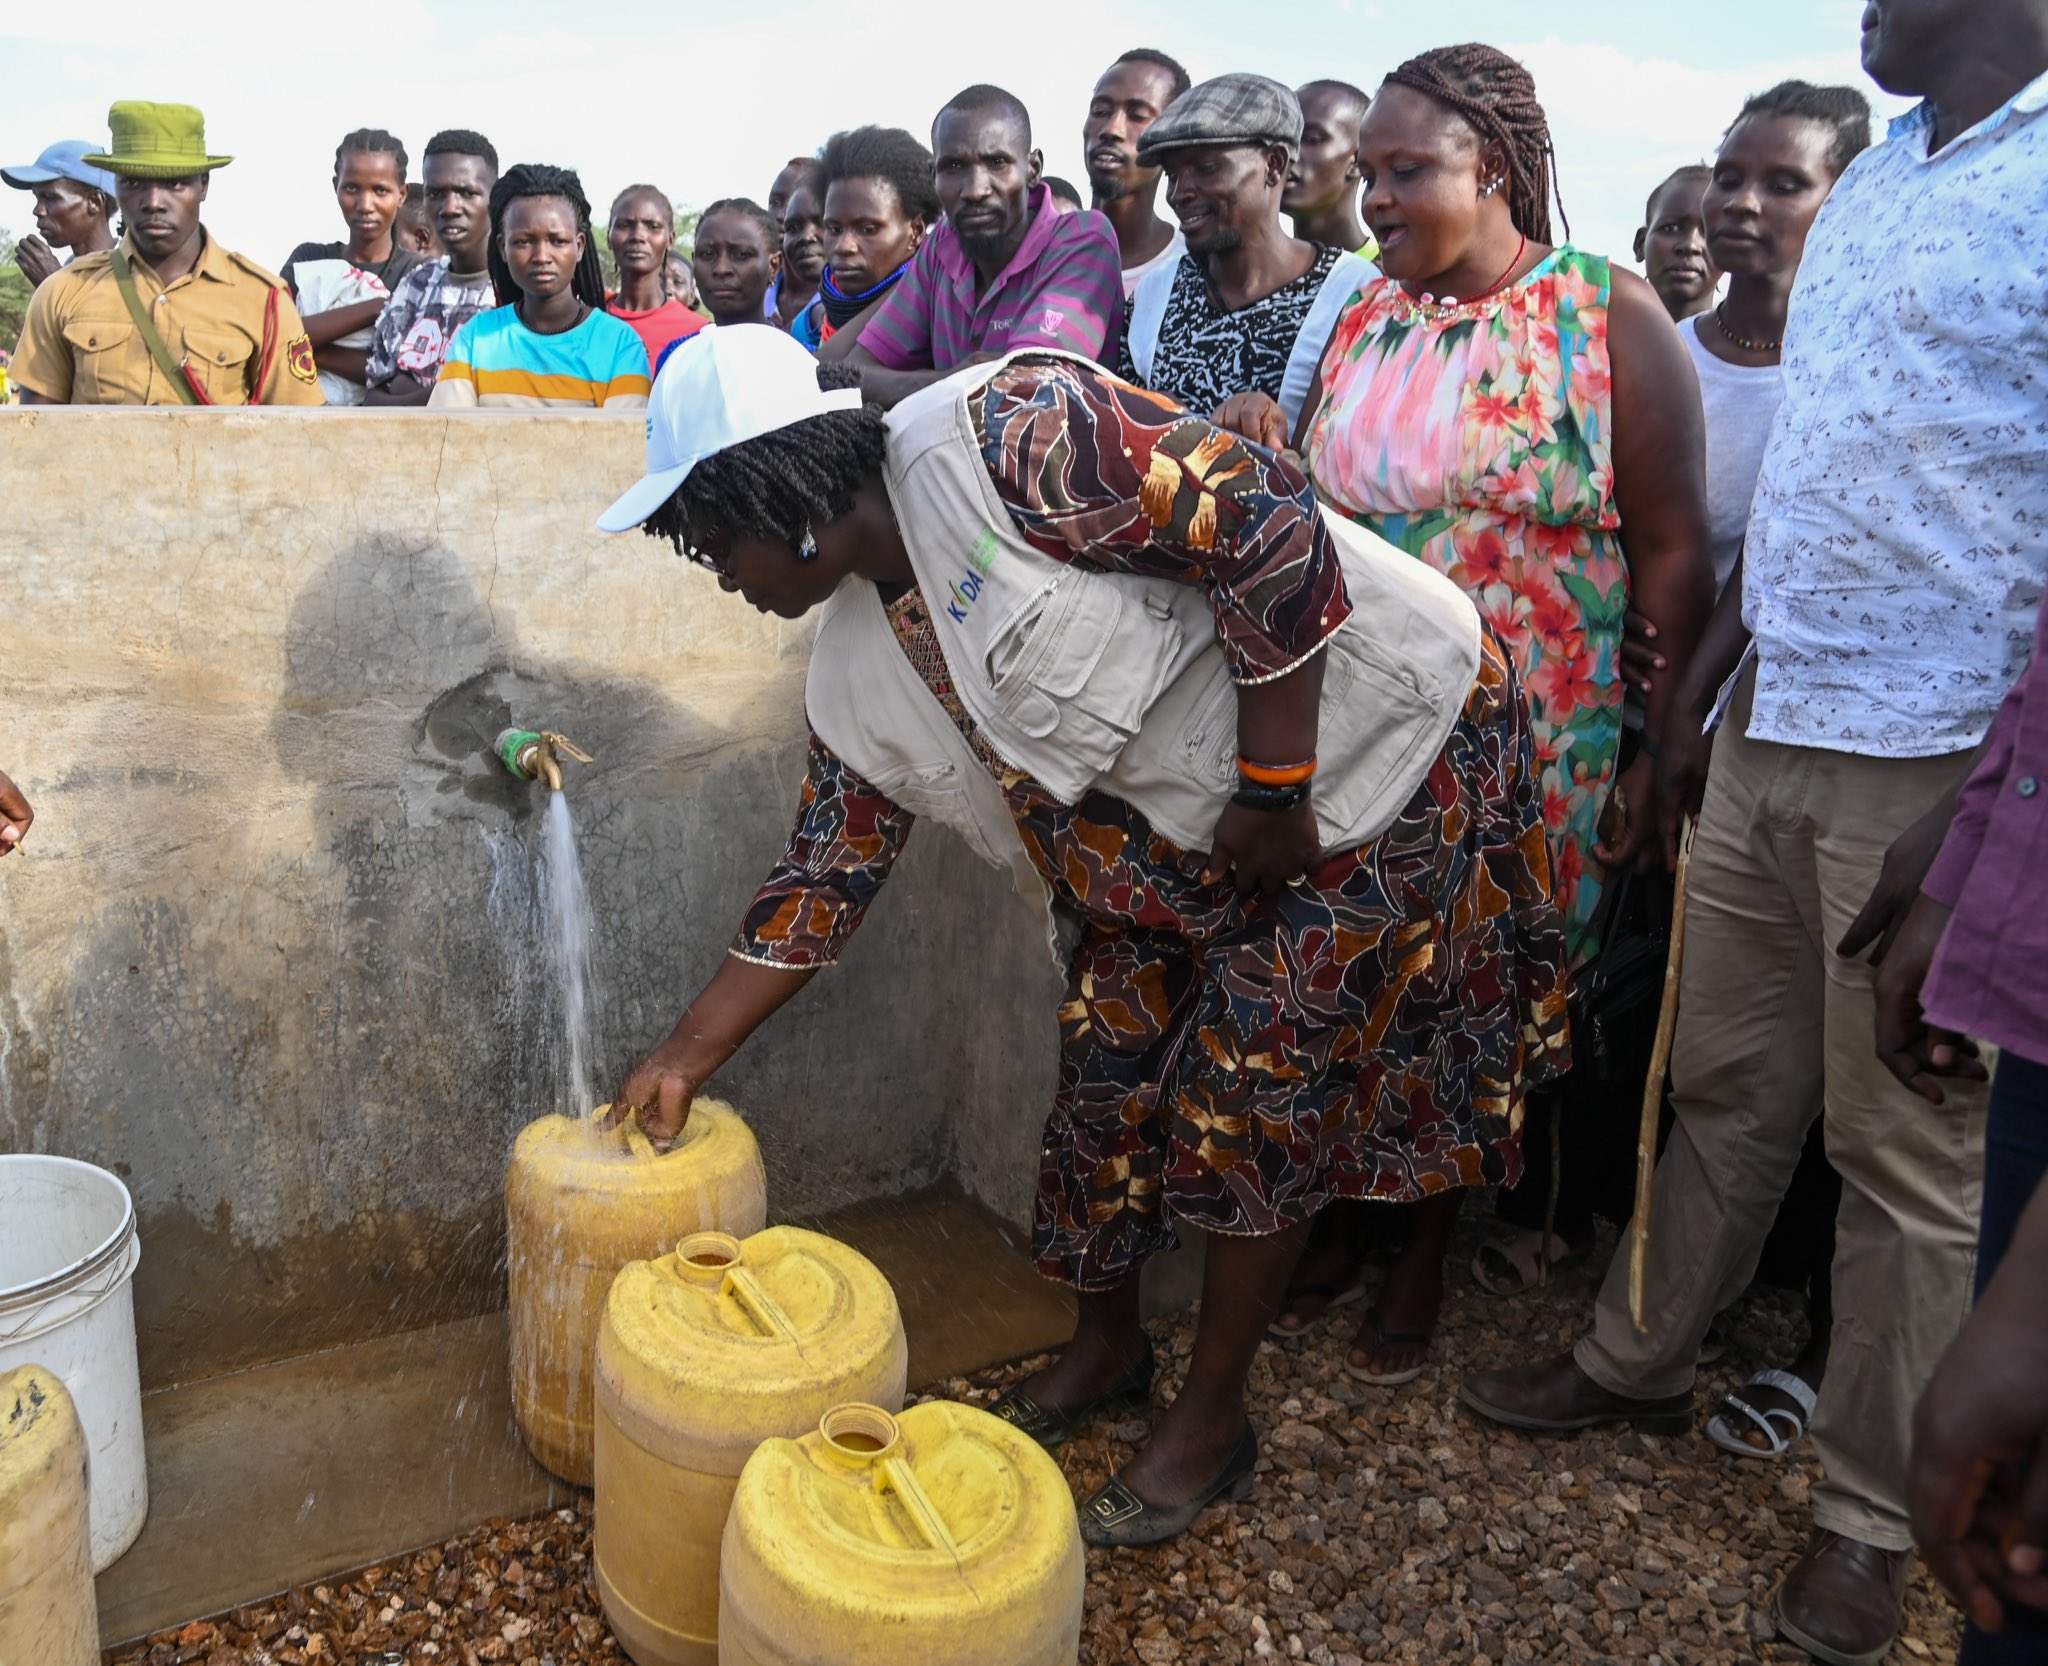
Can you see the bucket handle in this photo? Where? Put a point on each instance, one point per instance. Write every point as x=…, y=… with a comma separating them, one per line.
x=894, y=1475
x=746, y=1289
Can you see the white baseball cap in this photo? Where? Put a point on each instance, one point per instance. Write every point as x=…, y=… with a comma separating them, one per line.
x=720, y=387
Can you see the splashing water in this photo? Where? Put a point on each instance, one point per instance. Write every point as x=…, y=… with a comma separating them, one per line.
x=546, y=999
x=565, y=924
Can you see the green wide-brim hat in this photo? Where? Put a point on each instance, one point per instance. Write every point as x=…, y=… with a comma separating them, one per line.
x=156, y=141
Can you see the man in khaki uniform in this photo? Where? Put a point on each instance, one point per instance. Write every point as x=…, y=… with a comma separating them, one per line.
x=169, y=317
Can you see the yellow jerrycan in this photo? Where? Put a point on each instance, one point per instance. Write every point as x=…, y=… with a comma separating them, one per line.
x=47, y=1610
x=940, y=1536
x=704, y=1354
x=579, y=1204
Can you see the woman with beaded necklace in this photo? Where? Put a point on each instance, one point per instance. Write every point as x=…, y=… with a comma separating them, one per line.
x=1523, y=418
x=1778, y=161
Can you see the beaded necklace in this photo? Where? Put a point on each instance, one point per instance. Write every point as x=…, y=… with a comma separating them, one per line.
x=1436, y=307
x=1748, y=346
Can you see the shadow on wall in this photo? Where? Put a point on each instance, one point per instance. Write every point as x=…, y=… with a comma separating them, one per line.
x=301, y=1030
x=296, y=1033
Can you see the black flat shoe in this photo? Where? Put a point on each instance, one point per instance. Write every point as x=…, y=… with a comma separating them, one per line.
x=1117, y=1517
x=1050, y=1426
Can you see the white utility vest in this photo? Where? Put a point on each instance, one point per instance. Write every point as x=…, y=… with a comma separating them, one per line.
x=1089, y=680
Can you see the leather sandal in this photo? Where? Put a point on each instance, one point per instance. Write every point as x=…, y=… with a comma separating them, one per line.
x=1313, y=1302
x=1517, y=1266
x=1382, y=1338
x=1118, y=1518
x=1051, y=1426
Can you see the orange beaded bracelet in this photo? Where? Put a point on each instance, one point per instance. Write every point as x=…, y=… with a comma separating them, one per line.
x=1276, y=775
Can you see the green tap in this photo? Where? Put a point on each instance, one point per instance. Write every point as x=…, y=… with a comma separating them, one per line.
x=536, y=754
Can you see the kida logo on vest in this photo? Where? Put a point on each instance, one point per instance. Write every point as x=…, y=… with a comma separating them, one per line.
x=965, y=592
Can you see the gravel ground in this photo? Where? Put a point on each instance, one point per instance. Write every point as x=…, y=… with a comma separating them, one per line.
x=1388, y=1527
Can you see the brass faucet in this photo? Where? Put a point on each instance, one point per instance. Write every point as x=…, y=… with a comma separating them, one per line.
x=537, y=754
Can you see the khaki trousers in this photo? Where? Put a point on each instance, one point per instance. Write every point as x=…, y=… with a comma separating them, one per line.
x=1773, y=1028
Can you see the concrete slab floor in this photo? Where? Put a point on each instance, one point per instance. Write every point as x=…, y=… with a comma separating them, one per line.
x=269, y=1477
x=969, y=1296
x=286, y=1473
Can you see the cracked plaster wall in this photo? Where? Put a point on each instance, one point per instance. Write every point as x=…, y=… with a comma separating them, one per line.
x=250, y=663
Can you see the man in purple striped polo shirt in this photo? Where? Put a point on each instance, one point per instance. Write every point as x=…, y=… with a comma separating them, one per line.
x=1004, y=269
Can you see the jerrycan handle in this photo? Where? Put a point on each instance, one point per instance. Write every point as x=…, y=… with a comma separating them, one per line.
x=867, y=1437
x=629, y=1132
x=917, y=1504
x=746, y=1290
x=718, y=1255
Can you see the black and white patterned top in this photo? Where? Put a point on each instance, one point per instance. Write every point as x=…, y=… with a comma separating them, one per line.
x=1206, y=354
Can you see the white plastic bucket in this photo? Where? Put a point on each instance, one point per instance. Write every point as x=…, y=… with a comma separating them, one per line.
x=68, y=1254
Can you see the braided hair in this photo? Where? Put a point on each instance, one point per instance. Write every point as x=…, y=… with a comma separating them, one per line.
x=776, y=485
x=1843, y=111
x=748, y=209
x=537, y=179
x=654, y=191
x=370, y=141
x=1691, y=172
x=1497, y=96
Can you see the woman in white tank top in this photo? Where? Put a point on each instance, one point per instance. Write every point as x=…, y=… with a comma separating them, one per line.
x=1775, y=169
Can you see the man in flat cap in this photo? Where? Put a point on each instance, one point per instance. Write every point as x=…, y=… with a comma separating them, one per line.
x=1248, y=306
x=168, y=316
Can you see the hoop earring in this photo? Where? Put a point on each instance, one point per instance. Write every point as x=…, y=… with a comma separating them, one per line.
x=1491, y=186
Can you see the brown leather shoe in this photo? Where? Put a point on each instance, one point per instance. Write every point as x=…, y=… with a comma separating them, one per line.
x=1843, y=1600
x=1557, y=1396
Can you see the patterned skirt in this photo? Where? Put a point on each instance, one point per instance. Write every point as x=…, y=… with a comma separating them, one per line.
x=1369, y=1033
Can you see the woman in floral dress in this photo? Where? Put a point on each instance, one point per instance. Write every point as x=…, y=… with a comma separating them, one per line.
x=1262, y=1014
x=1524, y=419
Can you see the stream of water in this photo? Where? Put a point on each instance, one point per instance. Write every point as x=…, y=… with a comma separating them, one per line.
x=565, y=922
x=548, y=1002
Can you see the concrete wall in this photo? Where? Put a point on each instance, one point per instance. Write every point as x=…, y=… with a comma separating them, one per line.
x=250, y=664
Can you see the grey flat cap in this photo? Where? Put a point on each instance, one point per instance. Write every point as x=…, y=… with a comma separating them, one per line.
x=1230, y=110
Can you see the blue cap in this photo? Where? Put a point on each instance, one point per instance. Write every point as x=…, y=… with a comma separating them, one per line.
x=63, y=160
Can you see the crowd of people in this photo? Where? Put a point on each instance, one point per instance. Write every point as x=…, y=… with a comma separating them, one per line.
x=1535, y=582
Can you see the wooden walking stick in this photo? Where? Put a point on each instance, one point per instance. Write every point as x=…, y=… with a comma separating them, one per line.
x=1653, y=1087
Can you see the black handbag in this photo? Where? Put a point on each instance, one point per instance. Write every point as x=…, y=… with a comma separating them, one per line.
x=1615, y=999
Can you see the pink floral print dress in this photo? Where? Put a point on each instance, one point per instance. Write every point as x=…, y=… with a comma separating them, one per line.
x=1479, y=442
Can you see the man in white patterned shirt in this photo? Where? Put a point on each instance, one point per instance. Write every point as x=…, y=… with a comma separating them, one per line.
x=1894, y=562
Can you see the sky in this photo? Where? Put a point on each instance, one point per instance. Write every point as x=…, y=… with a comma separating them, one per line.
x=633, y=90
